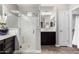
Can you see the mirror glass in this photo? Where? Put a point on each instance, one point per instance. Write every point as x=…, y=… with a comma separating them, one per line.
x=48, y=17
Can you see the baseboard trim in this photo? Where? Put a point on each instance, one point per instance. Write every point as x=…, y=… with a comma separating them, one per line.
x=69, y=45
x=57, y=45
x=31, y=51
x=63, y=45
x=27, y=52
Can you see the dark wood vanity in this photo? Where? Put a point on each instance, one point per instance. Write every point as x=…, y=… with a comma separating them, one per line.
x=48, y=38
x=7, y=46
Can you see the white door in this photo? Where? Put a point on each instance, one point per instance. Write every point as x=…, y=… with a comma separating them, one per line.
x=63, y=28
x=28, y=33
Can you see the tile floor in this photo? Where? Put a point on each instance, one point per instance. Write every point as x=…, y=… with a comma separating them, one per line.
x=55, y=50
x=59, y=50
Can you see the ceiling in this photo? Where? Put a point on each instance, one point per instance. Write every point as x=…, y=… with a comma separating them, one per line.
x=34, y=7
x=31, y=7
x=28, y=7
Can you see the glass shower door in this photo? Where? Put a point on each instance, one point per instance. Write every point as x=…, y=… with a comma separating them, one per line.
x=28, y=33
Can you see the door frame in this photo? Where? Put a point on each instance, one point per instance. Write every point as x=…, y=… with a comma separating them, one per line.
x=56, y=27
x=70, y=26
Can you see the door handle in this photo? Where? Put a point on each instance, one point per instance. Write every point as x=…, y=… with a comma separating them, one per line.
x=33, y=31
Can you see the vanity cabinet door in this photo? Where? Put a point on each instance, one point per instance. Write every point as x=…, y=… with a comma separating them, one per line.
x=8, y=40
x=9, y=45
x=48, y=38
x=1, y=46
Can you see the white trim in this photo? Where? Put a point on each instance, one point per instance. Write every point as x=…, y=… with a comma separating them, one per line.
x=57, y=45
x=70, y=30
x=30, y=51
x=27, y=51
x=70, y=45
x=56, y=26
x=61, y=45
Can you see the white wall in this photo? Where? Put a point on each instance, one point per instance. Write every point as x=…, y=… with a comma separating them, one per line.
x=12, y=21
x=11, y=7
x=0, y=9
x=72, y=6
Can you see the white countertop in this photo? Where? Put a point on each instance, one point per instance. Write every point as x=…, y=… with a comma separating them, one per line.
x=48, y=30
x=12, y=32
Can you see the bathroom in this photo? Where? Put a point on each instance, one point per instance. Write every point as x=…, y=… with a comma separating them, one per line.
x=37, y=28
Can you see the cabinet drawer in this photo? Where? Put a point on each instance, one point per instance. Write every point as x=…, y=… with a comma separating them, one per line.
x=10, y=44
x=1, y=42
x=9, y=40
x=9, y=50
x=48, y=38
x=1, y=45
